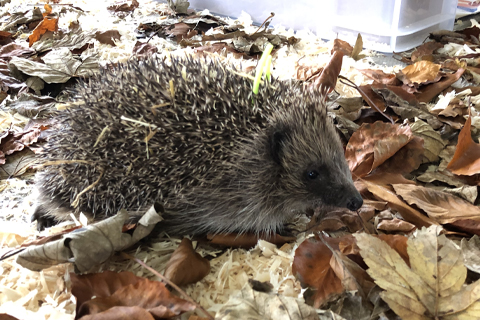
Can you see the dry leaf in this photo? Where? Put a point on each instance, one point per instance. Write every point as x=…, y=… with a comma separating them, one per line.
x=341, y=46
x=357, y=49
x=372, y=144
x=381, y=77
x=395, y=225
x=428, y=92
x=425, y=49
x=433, y=288
x=254, y=305
x=246, y=240
x=117, y=294
x=107, y=37
x=374, y=100
x=59, y=66
x=466, y=160
x=432, y=140
x=185, y=265
x=471, y=253
x=124, y=6
x=312, y=267
x=441, y=206
x=90, y=246
x=328, y=78
x=45, y=25
x=144, y=49
x=408, y=213
x=422, y=72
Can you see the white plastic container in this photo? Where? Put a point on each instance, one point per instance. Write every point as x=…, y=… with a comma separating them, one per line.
x=385, y=25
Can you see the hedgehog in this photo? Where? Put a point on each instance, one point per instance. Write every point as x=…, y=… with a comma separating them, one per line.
x=188, y=133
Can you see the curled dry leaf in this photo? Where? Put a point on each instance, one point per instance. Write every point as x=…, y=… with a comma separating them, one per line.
x=117, y=294
x=466, y=160
x=433, y=287
x=254, y=305
x=185, y=265
x=372, y=144
x=90, y=246
x=342, y=46
x=441, y=206
x=357, y=48
x=328, y=78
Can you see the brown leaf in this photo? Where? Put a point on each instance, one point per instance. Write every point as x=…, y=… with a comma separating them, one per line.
x=372, y=144
x=107, y=37
x=328, y=78
x=7, y=82
x=441, y=206
x=395, y=225
x=342, y=46
x=124, y=6
x=311, y=266
x=132, y=294
x=11, y=142
x=425, y=49
x=100, y=285
x=381, y=77
x=408, y=213
x=185, y=265
x=407, y=159
x=397, y=243
x=4, y=316
x=375, y=101
x=422, y=72
x=247, y=240
x=14, y=50
x=308, y=73
x=428, y=92
x=466, y=160
x=48, y=10
x=5, y=37
x=45, y=25
x=144, y=49
x=467, y=225
x=182, y=31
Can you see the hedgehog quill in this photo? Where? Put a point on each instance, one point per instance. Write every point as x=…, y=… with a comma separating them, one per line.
x=190, y=134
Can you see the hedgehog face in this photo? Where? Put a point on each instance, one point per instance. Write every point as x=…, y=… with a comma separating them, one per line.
x=310, y=159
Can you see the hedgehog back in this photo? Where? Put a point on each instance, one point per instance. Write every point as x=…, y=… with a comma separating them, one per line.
x=191, y=133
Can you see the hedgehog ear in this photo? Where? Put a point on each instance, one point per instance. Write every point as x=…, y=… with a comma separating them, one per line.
x=276, y=141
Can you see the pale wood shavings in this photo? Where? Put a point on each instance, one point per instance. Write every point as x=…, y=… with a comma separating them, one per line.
x=27, y=294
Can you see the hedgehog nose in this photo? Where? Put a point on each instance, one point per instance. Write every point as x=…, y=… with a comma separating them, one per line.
x=355, y=203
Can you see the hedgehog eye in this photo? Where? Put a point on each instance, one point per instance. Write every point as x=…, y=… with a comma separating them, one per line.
x=312, y=175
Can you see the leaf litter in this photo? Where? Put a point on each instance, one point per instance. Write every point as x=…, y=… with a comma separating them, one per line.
x=410, y=132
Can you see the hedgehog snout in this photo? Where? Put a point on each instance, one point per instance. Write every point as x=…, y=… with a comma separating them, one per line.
x=355, y=202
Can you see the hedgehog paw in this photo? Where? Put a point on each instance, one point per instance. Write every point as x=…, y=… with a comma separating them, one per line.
x=44, y=220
